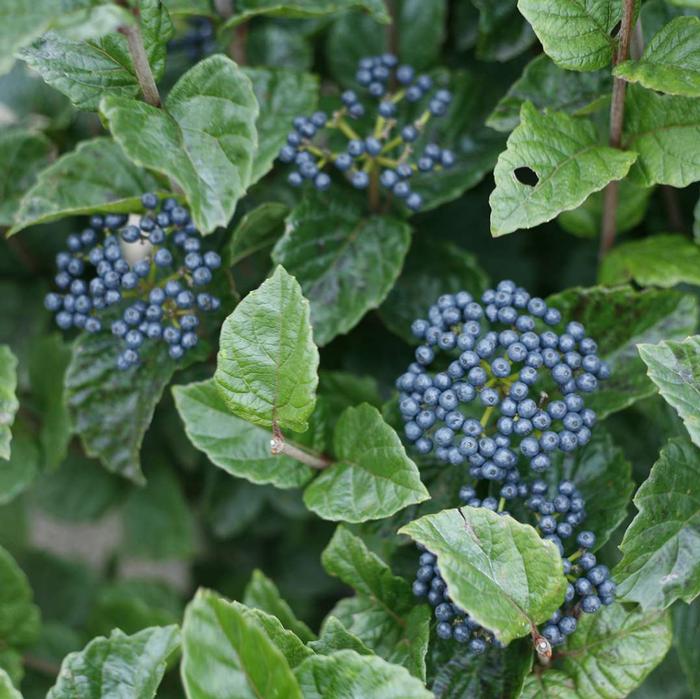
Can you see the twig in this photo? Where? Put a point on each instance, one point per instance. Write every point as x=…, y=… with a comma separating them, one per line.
x=141, y=65
x=392, y=29
x=23, y=253
x=239, y=44
x=278, y=445
x=673, y=208
x=617, y=115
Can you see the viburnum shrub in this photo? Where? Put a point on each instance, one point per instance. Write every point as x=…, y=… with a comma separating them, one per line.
x=284, y=410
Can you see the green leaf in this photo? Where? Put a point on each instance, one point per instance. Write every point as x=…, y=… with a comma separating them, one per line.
x=660, y=260
x=279, y=45
x=48, y=362
x=568, y=161
x=498, y=673
x=204, y=138
x=107, y=666
x=346, y=264
x=22, y=22
x=349, y=674
x=288, y=642
x=666, y=680
x=373, y=477
x=267, y=362
x=8, y=398
x=200, y=8
x=549, y=87
x=20, y=470
x=282, y=95
x=95, y=177
x=432, y=268
x=500, y=571
x=19, y=616
x=618, y=319
x=675, y=368
x=384, y=615
x=670, y=62
x=80, y=490
x=7, y=689
x=262, y=593
x=663, y=131
x=23, y=154
x=241, y=449
x=686, y=640
x=604, y=476
x=298, y=9
x=609, y=655
x=659, y=563
x=112, y=409
x=158, y=523
x=227, y=654
x=257, y=230
x=233, y=505
x=585, y=220
x=156, y=30
x=575, y=34
x=336, y=637
x=503, y=34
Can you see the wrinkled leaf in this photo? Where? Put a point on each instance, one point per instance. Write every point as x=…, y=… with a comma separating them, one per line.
x=257, y=230
x=8, y=399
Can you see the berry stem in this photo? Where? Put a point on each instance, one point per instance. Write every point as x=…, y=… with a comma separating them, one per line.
x=486, y=416
x=347, y=130
x=617, y=115
x=142, y=67
x=279, y=445
x=374, y=202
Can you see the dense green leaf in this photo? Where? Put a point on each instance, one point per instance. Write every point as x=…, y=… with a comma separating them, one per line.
x=20, y=470
x=108, y=665
x=48, y=362
x=670, y=62
x=498, y=570
x=257, y=230
x=156, y=30
x=553, y=684
x=660, y=260
x=569, y=164
x=618, y=319
x=241, y=449
x=112, y=409
x=604, y=476
x=663, y=131
x=279, y=45
x=575, y=34
x=245, y=9
x=384, y=615
x=282, y=94
x=346, y=264
x=503, y=34
x=686, y=640
x=585, y=220
x=498, y=673
x=659, y=563
x=262, y=593
x=286, y=641
x=267, y=363
x=432, y=268
x=226, y=654
x=8, y=399
x=373, y=477
x=549, y=87
x=335, y=637
x=7, y=689
x=666, y=680
x=346, y=673
x=613, y=651
x=95, y=177
x=19, y=616
x=23, y=154
x=675, y=368
x=204, y=139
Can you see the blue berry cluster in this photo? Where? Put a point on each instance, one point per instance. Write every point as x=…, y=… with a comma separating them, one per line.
x=501, y=356
x=390, y=155
x=452, y=622
x=159, y=293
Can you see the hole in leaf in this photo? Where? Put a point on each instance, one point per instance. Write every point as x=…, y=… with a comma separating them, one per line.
x=526, y=176
x=616, y=29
